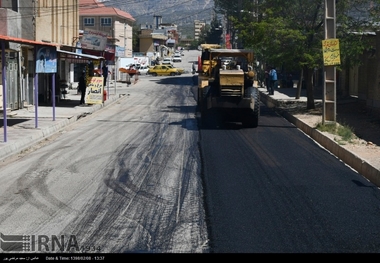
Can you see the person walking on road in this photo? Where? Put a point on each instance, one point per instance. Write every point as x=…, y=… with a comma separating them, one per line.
x=82, y=88
x=273, y=80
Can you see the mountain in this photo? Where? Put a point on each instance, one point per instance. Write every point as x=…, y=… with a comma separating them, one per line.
x=180, y=12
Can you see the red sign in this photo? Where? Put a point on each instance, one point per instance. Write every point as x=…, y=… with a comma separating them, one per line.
x=228, y=41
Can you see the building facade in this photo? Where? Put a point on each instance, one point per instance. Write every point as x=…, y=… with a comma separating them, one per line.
x=40, y=21
x=198, y=25
x=115, y=23
x=159, y=40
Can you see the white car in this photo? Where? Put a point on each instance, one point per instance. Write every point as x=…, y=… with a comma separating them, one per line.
x=177, y=58
x=143, y=69
x=167, y=61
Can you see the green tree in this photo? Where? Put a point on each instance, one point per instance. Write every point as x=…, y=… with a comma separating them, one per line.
x=214, y=34
x=290, y=32
x=211, y=33
x=136, y=31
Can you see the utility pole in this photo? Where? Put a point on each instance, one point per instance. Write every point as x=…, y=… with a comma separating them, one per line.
x=329, y=88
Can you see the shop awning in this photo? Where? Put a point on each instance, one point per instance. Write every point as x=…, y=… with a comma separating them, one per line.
x=25, y=41
x=76, y=55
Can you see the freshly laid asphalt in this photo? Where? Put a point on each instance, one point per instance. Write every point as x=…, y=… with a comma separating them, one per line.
x=25, y=130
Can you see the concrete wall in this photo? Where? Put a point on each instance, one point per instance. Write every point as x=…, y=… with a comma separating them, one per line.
x=146, y=45
x=123, y=32
x=57, y=21
x=369, y=76
x=27, y=23
x=366, y=82
x=10, y=23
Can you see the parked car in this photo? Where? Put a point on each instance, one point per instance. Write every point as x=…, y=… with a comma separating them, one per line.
x=167, y=61
x=143, y=69
x=163, y=70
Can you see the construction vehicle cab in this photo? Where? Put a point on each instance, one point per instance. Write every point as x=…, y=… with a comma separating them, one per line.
x=228, y=87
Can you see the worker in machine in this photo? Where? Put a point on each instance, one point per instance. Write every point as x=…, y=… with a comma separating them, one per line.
x=216, y=68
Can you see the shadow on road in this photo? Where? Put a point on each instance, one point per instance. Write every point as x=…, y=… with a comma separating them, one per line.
x=12, y=121
x=182, y=80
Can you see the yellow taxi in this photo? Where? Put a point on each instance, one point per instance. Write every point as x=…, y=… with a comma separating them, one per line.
x=163, y=70
x=180, y=70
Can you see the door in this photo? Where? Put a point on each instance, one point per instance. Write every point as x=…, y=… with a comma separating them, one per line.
x=12, y=87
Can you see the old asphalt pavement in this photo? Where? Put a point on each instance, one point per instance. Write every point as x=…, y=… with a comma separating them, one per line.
x=24, y=131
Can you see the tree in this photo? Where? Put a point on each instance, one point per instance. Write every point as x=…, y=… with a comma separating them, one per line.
x=214, y=35
x=136, y=30
x=211, y=33
x=290, y=32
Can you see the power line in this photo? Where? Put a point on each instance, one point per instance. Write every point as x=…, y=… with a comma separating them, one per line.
x=67, y=8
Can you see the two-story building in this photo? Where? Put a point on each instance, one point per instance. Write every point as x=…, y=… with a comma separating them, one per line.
x=116, y=24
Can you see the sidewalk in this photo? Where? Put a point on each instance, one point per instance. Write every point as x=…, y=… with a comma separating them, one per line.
x=23, y=130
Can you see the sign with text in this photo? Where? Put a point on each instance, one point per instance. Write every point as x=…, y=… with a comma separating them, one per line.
x=94, y=91
x=93, y=39
x=331, y=52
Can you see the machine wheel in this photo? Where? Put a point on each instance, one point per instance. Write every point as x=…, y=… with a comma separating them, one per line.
x=203, y=104
x=251, y=120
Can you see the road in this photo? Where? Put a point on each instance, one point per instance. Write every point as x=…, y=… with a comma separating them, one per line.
x=125, y=179
x=274, y=190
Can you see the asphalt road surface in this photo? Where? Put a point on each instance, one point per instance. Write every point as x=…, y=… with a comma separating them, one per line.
x=274, y=190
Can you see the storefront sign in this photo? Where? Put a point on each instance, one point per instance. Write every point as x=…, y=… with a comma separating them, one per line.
x=92, y=39
x=94, y=91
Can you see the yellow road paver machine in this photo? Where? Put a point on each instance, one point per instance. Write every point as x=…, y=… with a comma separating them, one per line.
x=225, y=82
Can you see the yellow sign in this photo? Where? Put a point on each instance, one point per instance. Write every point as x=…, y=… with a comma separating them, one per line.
x=331, y=52
x=94, y=91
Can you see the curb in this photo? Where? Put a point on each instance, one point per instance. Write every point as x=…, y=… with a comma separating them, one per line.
x=355, y=162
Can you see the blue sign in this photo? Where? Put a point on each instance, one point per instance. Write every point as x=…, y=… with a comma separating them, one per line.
x=46, y=60
x=120, y=51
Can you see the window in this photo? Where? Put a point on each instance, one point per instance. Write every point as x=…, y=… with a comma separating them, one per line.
x=15, y=5
x=105, y=21
x=89, y=21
